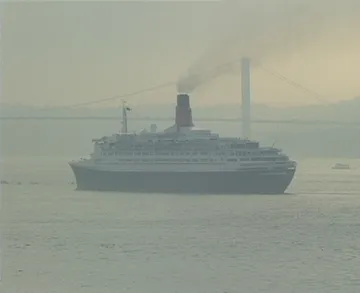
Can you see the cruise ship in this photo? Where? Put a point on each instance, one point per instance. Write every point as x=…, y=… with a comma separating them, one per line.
x=182, y=159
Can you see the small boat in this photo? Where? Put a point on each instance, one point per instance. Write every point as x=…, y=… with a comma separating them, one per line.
x=340, y=166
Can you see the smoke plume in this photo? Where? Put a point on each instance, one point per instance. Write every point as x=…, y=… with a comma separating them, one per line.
x=265, y=29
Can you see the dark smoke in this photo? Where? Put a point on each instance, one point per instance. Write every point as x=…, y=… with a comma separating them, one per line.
x=268, y=29
x=188, y=83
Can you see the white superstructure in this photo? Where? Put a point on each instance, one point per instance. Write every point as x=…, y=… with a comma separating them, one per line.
x=181, y=148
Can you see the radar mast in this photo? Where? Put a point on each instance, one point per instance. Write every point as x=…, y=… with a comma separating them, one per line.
x=125, y=109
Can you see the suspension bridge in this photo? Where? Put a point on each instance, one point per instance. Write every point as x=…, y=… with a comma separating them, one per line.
x=158, y=119
x=210, y=74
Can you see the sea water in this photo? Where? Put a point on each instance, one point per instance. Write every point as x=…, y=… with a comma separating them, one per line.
x=56, y=239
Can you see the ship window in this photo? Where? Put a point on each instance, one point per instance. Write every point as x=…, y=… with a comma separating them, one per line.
x=252, y=145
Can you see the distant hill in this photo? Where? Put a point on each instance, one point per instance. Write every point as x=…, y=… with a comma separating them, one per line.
x=344, y=111
x=73, y=138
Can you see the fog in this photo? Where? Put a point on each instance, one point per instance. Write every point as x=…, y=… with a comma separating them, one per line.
x=72, y=52
x=66, y=53
x=58, y=56
x=72, y=138
x=274, y=29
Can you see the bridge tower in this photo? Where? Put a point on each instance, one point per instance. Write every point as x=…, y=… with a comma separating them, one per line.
x=246, y=97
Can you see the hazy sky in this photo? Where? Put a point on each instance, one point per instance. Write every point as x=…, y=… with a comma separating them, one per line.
x=73, y=52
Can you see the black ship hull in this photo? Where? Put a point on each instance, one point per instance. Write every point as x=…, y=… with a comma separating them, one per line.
x=221, y=182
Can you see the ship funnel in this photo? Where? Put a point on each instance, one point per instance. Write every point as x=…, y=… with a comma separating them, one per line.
x=153, y=128
x=183, y=116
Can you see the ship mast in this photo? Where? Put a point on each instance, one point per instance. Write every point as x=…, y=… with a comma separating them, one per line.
x=125, y=108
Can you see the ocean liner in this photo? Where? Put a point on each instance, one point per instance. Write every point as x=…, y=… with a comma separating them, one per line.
x=182, y=159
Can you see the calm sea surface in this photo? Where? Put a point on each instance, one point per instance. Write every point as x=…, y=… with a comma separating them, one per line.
x=55, y=239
